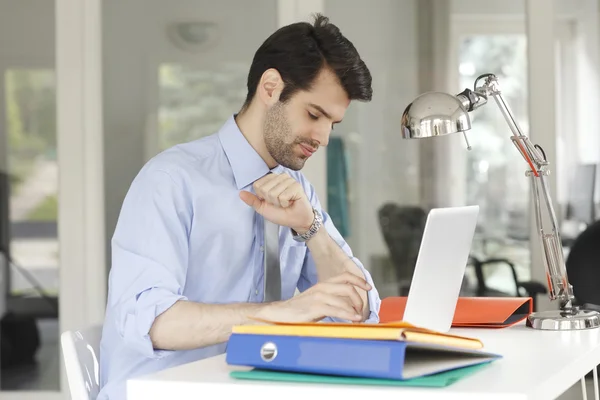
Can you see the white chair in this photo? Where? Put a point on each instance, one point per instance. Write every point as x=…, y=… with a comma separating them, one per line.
x=80, y=352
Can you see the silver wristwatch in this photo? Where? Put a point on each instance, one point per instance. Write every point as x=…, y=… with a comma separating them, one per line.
x=314, y=228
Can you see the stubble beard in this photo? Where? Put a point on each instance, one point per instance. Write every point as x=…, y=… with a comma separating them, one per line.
x=277, y=131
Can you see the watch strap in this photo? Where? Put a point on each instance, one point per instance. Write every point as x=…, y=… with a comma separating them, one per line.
x=314, y=228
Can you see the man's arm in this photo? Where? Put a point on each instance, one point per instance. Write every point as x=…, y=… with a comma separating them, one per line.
x=330, y=260
x=286, y=201
x=188, y=325
x=150, y=256
x=330, y=255
x=149, y=267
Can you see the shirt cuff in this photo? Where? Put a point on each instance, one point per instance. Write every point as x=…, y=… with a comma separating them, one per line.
x=372, y=295
x=149, y=305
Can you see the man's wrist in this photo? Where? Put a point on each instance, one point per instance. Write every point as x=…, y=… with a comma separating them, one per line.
x=301, y=230
x=304, y=234
x=269, y=311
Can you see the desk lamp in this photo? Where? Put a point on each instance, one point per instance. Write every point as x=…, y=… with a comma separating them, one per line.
x=436, y=114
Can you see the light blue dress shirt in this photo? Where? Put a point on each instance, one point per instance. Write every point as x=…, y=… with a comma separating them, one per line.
x=184, y=233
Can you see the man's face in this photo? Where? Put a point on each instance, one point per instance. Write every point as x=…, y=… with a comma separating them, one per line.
x=295, y=130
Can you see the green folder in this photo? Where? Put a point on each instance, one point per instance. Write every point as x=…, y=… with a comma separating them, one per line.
x=441, y=379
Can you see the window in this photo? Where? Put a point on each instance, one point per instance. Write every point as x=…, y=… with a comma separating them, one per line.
x=195, y=102
x=495, y=169
x=33, y=178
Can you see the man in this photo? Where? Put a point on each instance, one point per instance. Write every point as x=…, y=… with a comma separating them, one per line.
x=188, y=252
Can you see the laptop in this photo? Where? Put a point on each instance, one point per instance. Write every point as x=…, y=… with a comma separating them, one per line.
x=440, y=267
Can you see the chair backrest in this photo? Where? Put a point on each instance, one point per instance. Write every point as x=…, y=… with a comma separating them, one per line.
x=80, y=353
x=402, y=228
x=583, y=266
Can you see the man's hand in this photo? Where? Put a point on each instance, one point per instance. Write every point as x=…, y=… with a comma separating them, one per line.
x=281, y=199
x=335, y=298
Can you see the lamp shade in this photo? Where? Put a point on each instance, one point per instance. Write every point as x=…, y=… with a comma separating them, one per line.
x=434, y=114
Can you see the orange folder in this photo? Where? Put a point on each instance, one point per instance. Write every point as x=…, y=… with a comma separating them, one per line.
x=480, y=312
x=398, y=330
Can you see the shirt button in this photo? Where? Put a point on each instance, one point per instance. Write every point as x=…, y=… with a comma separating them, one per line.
x=262, y=248
x=256, y=291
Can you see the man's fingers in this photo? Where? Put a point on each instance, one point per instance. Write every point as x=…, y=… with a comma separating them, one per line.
x=328, y=310
x=290, y=194
x=280, y=190
x=264, y=184
x=274, y=193
x=350, y=278
x=270, y=186
x=345, y=291
x=341, y=302
x=252, y=200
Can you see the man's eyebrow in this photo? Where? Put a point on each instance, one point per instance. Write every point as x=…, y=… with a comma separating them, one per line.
x=320, y=109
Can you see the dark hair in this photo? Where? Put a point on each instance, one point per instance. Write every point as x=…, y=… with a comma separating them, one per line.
x=299, y=51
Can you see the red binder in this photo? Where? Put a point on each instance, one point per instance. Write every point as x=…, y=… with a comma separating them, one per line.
x=479, y=312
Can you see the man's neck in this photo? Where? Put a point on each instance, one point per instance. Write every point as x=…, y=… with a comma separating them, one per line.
x=250, y=122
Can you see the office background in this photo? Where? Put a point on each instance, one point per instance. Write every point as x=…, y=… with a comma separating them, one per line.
x=90, y=90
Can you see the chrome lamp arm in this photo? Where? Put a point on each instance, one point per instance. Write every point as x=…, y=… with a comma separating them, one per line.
x=549, y=236
x=436, y=114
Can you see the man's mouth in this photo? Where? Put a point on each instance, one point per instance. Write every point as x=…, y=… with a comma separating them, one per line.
x=307, y=150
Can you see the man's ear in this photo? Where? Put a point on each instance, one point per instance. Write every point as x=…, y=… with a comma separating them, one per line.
x=270, y=87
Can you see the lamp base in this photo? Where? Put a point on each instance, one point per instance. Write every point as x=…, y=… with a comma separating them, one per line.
x=557, y=320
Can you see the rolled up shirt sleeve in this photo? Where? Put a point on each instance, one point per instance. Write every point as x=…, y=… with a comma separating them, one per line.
x=149, y=256
x=309, y=277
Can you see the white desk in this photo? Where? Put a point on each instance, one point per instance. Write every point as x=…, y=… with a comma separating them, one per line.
x=536, y=365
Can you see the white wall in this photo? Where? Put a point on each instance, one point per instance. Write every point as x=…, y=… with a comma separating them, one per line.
x=134, y=45
x=587, y=39
x=384, y=167
x=563, y=8
x=26, y=40
x=32, y=40
x=577, y=26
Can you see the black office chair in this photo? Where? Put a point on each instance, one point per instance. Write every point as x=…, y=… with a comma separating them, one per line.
x=583, y=267
x=402, y=229
x=518, y=234
x=522, y=288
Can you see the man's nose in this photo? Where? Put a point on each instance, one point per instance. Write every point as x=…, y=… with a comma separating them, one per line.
x=321, y=135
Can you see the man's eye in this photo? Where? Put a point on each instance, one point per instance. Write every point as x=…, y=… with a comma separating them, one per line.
x=312, y=116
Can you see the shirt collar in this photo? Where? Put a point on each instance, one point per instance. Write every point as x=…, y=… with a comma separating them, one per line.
x=246, y=163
